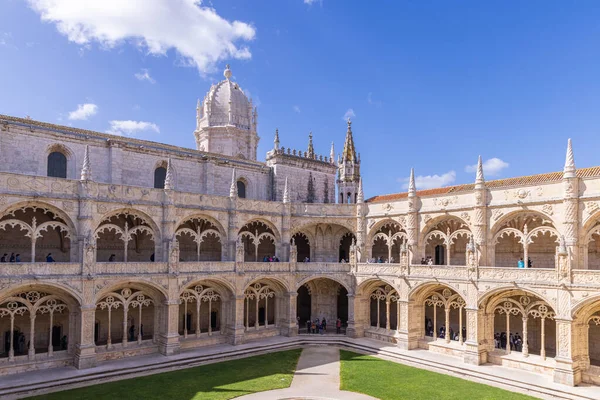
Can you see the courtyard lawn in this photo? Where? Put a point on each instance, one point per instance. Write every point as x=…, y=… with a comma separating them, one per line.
x=219, y=381
x=387, y=380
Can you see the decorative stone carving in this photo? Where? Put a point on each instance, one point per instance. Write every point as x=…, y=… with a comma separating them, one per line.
x=548, y=209
x=497, y=214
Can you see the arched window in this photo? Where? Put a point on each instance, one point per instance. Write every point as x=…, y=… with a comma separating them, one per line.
x=57, y=165
x=241, y=189
x=160, y=174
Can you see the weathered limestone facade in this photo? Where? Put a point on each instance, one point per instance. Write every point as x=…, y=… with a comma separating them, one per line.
x=140, y=269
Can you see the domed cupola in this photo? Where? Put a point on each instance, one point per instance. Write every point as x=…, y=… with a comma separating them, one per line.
x=226, y=106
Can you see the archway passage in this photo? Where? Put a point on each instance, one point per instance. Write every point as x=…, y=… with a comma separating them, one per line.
x=34, y=322
x=384, y=310
x=446, y=242
x=386, y=243
x=322, y=299
x=199, y=240
x=302, y=247
x=201, y=311
x=345, y=242
x=445, y=316
x=34, y=233
x=593, y=328
x=527, y=237
x=125, y=236
x=259, y=241
x=260, y=305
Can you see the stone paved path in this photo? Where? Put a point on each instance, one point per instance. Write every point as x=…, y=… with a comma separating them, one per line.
x=317, y=377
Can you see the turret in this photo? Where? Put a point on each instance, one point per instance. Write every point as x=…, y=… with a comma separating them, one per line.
x=310, y=153
x=332, y=154
x=480, y=217
x=348, y=170
x=276, y=140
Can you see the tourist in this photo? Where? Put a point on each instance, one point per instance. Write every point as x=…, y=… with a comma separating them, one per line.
x=21, y=343
x=63, y=342
x=308, y=326
x=529, y=263
x=429, y=327
x=3, y=259
x=141, y=330
x=18, y=258
x=313, y=327
x=112, y=258
x=442, y=332
x=152, y=257
x=423, y=262
x=496, y=340
x=131, y=333
x=464, y=332
x=324, y=325
x=49, y=258
x=12, y=257
x=338, y=326
x=521, y=263
x=430, y=261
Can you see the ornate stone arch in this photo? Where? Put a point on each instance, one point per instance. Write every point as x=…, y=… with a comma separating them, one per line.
x=222, y=286
x=367, y=286
x=424, y=289
x=277, y=283
x=304, y=280
x=63, y=292
x=133, y=212
x=206, y=217
x=505, y=219
x=489, y=299
x=432, y=223
x=379, y=224
x=11, y=209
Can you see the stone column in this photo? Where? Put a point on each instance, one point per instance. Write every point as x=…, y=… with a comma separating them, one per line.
x=355, y=327
x=285, y=232
x=232, y=229
x=566, y=371
x=475, y=345
x=236, y=322
x=290, y=323
x=85, y=348
x=85, y=217
x=168, y=340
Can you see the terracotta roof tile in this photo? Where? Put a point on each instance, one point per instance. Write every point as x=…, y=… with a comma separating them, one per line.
x=498, y=183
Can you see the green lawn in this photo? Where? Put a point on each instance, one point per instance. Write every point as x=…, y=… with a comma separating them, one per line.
x=219, y=381
x=387, y=380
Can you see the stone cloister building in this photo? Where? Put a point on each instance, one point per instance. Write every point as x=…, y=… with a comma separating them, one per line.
x=160, y=249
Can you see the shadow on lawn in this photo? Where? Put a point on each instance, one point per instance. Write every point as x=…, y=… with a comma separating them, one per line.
x=219, y=381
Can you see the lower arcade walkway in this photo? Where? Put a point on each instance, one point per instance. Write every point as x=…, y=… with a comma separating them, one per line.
x=50, y=380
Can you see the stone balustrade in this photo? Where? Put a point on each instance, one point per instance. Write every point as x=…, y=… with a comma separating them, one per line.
x=322, y=267
x=206, y=266
x=263, y=267
x=39, y=269
x=110, y=268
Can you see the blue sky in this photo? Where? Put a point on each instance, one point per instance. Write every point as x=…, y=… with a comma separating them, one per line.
x=431, y=84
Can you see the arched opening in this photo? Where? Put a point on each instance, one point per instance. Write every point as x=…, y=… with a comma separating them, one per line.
x=525, y=240
x=127, y=316
x=591, y=247
x=345, y=242
x=259, y=241
x=241, y=189
x=593, y=327
x=302, y=246
x=446, y=243
x=262, y=308
x=202, y=310
x=160, y=174
x=34, y=234
x=57, y=165
x=199, y=240
x=349, y=198
x=384, y=310
x=386, y=243
x=35, y=321
x=322, y=300
x=125, y=237
x=523, y=323
x=445, y=315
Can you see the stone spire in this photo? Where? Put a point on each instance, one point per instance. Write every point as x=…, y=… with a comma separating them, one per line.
x=412, y=188
x=233, y=189
x=86, y=169
x=349, y=153
x=276, y=140
x=169, y=178
x=569, y=171
x=479, y=179
x=360, y=196
x=311, y=150
x=286, y=193
x=332, y=154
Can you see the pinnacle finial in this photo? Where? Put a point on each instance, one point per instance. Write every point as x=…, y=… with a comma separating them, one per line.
x=311, y=149
x=412, y=188
x=360, y=197
x=233, y=189
x=169, y=179
x=276, y=140
x=332, y=154
x=479, y=179
x=569, y=171
x=198, y=105
x=286, y=193
x=86, y=169
x=227, y=72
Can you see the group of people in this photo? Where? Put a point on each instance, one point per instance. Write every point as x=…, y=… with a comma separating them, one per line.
x=12, y=258
x=320, y=327
x=515, y=341
x=521, y=263
x=379, y=260
x=133, y=333
x=270, y=259
x=427, y=260
x=442, y=331
x=21, y=347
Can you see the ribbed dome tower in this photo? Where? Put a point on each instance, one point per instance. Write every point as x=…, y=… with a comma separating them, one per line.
x=226, y=121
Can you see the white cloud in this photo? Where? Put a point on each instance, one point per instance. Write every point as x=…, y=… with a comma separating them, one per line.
x=197, y=33
x=144, y=75
x=131, y=128
x=296, y=109
x=83, y=112
x=6, y=40
x=491, y=167
x=430, y=181
x=373, y=102
x=311, y=2
x=349, y=114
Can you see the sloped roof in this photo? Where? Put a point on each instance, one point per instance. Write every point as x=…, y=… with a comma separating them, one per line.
x=498, y=183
